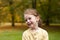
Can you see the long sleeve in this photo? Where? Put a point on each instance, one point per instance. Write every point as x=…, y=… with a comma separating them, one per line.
x=24, y=36
x=45, y=36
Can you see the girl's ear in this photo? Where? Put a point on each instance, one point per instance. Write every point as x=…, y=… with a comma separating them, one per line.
x=37, y=18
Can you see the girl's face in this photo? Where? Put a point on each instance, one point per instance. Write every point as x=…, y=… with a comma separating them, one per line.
x=31, y=20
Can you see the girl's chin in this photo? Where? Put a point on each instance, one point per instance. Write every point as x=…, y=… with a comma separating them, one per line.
x=30, y=26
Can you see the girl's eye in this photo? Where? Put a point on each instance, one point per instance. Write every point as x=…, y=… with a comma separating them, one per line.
x=29, y=18
x=25, y=20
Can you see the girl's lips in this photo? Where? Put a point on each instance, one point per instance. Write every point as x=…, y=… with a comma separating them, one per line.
x=29, y=23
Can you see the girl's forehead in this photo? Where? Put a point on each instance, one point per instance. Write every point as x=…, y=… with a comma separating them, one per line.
x=28, y=15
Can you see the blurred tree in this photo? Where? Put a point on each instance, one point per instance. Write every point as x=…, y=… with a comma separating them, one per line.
x=11, y=11
x=45, y=10
x=49, y=9
x=34, y=4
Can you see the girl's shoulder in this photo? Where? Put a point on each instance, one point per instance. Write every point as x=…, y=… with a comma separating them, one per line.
x=26, y=32
x=43, y=31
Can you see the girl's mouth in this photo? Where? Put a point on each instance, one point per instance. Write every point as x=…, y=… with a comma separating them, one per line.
x=29, y=23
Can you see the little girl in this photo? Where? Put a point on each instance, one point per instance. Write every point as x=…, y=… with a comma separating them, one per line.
x=34, y=23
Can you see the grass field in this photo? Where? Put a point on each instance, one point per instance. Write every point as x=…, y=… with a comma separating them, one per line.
x=16, y=34
x=55, y=35
x=11, y=35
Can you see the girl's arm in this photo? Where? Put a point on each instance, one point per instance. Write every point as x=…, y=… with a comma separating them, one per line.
x=45, y=35
x=25, y=36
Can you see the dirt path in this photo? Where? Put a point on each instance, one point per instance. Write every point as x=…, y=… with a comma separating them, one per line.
x=22, y=26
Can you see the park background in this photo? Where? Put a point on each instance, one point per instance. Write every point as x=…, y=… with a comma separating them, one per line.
x=12, y=23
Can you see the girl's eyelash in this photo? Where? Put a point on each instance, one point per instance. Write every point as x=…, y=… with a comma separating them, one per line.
x=29, y=18
x=25, y=20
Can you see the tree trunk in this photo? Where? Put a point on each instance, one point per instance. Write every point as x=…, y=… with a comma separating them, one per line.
x=12, y=12
x=49, y=11
x=34, y=4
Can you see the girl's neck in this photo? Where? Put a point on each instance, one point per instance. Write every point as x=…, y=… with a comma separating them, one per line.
x=35, y=28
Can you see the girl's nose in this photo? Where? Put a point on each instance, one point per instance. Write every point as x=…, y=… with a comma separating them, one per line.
x=28, y=21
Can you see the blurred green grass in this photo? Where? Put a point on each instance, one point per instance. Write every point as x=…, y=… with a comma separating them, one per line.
x=54, y=35
x=17, y=35
x=9, y=33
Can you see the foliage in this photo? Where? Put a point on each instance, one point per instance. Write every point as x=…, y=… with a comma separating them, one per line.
x=20, y=5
